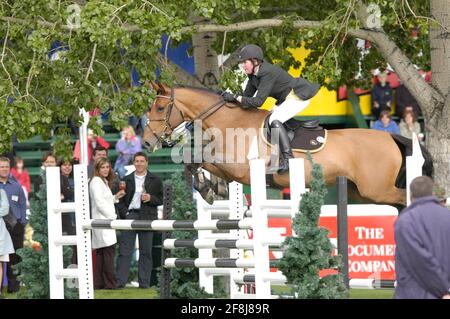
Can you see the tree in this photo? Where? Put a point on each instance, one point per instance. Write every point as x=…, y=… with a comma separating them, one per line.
x=310, y=250
x=108, y=37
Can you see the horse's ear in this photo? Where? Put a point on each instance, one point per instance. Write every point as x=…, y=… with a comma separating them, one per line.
x=159, y=87
x=154, y=85
x=164, y=89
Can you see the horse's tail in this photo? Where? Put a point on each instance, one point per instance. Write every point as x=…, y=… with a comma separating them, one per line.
x=405, y=146
x=428, y=168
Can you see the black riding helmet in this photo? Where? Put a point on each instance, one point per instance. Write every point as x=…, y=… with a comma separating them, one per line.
x=251, y=51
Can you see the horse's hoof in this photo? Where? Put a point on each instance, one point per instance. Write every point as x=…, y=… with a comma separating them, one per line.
x=201, y=183
x=208, y=196
x=221, y=189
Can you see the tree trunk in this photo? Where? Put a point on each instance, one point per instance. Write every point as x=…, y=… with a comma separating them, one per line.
x=438, y=143
x=206, y=63
x=438, y=120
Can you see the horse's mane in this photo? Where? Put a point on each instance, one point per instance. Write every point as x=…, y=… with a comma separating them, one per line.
x=195, y=88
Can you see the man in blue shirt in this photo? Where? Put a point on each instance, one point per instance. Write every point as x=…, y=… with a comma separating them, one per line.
x=18, y=206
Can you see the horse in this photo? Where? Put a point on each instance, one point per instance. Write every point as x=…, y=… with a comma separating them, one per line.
x=373, y=161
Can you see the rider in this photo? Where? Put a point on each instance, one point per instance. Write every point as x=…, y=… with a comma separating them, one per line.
x=292, y=94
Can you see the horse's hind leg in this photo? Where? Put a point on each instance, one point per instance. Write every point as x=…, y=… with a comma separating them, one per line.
x=354, y=194
x=382, y=194
x=395, y=196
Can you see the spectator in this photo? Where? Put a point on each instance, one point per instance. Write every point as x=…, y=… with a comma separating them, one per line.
x=10, y=155
x=92, y=142
x=48, y=160
x=67, y=195
x=126, y=147
x=422, y=237
x=405, y=101
x=143, y=195
x=385, y=123
x=103, y=240
x=99, y=152
x=409, y=125
x=18, y=206
x=67, y=182
x=381, y=95
x=21, y=174
x=6, y=245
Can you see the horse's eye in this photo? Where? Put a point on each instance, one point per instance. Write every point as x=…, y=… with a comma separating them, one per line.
x=160, y=109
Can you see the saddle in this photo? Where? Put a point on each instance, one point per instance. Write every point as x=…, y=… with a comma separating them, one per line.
x=305, y=136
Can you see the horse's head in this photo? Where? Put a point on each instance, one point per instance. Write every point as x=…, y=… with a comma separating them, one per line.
x=163, y=118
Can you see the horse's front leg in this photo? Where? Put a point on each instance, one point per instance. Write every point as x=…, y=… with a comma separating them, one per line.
x=201, y=183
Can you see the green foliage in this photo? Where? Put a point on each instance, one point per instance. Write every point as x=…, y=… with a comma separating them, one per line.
x=232, y=80
x=116, y=35
x=310, y=250
x=184, y=281
x=33, y=268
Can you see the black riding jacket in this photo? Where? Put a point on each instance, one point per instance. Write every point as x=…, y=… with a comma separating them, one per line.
x=275, y=82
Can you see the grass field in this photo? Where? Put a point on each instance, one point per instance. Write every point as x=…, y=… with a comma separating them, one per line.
x=151, y=293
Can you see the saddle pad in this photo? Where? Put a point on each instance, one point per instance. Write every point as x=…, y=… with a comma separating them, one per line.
x=302, y=139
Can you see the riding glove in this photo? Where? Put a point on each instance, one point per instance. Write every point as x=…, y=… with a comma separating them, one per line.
x=228, y=97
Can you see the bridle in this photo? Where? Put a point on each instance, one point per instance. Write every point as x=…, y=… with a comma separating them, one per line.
x=165, y=134
x=168, y=129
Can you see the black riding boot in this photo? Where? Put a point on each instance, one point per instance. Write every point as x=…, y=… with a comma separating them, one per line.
x=284, y=146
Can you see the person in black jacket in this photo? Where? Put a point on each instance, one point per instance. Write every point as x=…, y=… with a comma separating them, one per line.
x=292, y=94
x=144, y=192
x=381, y=95
x=405, y=101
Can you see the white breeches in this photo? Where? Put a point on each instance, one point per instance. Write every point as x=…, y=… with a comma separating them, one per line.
x=288, y=109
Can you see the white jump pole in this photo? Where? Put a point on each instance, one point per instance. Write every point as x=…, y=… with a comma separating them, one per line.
x=84, y=250
x=260, y=220
x=55, y=251
x=297, y=183
x=414, y=165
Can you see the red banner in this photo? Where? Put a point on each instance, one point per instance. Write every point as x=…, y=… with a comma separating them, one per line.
x=371, y=245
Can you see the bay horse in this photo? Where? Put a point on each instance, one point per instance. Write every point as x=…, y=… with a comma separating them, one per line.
x=371, y=160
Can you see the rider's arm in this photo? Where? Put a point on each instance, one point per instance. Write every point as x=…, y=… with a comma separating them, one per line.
x=266, y=83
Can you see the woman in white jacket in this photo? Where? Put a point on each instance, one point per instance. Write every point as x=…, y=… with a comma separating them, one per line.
x=6, y=244
x=102, y=207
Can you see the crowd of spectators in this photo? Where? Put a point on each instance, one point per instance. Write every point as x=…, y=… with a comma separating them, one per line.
x=141, y=189
x=406, y=108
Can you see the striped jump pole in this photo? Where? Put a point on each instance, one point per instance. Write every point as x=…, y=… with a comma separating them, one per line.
x=274, y=277
x=210, y=262
x=218, y=243
x=214, y=262
x=168, y=225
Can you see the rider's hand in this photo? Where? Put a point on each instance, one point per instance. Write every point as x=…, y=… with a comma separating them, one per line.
x=228, y=97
